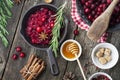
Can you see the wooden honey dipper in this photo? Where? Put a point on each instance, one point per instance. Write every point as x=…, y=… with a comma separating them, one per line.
x=100, y=25
x=74, y=49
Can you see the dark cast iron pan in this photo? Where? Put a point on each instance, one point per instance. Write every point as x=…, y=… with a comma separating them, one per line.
x=83, y=16
x=52, y=61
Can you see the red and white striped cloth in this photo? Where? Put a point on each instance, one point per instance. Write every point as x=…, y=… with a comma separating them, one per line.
x=78, y=20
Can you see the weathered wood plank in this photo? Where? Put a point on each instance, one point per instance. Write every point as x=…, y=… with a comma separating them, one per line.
x=13, y=67
x=115, y=71
x=11, y=27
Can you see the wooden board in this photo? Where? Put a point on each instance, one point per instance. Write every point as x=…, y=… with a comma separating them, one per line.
x=11, y=67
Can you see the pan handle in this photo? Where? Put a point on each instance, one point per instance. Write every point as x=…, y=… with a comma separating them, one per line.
x=53, y=63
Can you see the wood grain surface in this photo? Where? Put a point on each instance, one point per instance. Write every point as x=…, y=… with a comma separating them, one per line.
x=11, y=68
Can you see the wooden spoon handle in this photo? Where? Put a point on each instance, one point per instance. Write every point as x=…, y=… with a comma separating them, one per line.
x=80, y=67
x=100, y=25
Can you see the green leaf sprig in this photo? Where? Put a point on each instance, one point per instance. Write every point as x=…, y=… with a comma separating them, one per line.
x=56, y=30
x=5, y=13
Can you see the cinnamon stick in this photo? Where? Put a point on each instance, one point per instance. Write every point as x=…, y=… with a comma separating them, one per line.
x=33, y=68
x=29, y=63
x=31, y=77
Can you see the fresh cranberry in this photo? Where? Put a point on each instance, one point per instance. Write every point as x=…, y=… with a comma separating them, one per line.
x=43, y=19
x=52, y=24
x=92, y=6
x=87, y=4
x=22, y=54
x=38, y=29
x=76, y=32
x=14, y=56
x=109, y=1
x=87, y=10
x=18, y=49
x=90, y=17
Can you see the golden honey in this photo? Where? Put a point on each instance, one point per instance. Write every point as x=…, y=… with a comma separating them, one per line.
x=66, y=52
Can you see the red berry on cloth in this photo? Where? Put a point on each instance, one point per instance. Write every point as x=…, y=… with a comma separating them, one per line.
x=18, y=49
x=22, y=54
x=76, y=32
x=14, y=56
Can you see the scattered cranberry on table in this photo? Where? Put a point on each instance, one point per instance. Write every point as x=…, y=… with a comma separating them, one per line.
x=14, y=56
x=40, y=25
x=22, y=54
x=76, y=32
x=93, y=9
x=18, y=49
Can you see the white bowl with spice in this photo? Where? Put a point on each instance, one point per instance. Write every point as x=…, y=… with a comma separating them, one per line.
x=105, y=55
x=100, y=76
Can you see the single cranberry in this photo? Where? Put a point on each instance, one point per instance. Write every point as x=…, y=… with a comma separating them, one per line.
x=18, y=49
x=103, y=1
x=33, y=40
x=47, y=42
x=87, y=4
x=99, y=9
x=93, y=13
x=76, y=32
x=92, y=6
x=109, y=1
x=38, y=29
x=14, y=56
x=22, y=55
x=83, y=1
x=43, y=19
x=90, y=17
x=52, y=24
x=87, y=10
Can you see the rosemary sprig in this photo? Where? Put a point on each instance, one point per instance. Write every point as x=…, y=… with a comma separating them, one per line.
x=5, y=13
x=56, y=30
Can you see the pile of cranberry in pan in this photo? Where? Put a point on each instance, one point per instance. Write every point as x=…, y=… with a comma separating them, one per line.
x=40, y=25
x=93, y=9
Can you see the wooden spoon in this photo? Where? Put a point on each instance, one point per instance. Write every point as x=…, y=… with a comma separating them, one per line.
x=73, y=48
x=100, y=24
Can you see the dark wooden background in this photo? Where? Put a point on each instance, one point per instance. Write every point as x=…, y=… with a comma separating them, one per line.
x=9, y=69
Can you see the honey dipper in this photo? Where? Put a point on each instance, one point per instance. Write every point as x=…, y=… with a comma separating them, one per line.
x=74, y=49
x=100, y=24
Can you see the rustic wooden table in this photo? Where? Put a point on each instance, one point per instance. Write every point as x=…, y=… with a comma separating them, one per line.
x=11, y=68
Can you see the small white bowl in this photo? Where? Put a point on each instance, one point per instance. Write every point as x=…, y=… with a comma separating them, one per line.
x=99, y=73
x=114, y=55
x=72, y=59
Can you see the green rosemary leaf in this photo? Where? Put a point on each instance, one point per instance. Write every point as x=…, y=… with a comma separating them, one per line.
x=3, y=30
x=5, y=13
x=9, y=3
x=6, y=9
x=56, y=30
x=4, y=40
